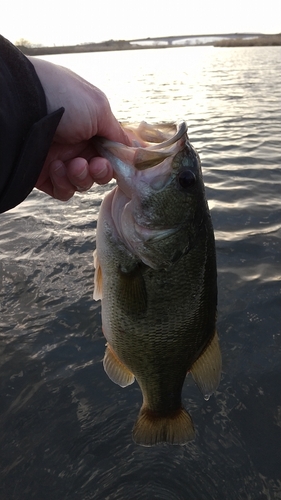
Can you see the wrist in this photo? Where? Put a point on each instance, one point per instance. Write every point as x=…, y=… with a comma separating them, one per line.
x=53, y=81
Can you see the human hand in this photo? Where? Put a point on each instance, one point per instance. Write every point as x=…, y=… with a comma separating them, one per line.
x=72, y=163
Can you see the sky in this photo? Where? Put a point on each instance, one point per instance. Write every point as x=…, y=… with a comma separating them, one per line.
x=66, y=22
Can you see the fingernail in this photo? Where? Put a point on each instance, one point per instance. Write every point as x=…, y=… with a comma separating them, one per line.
x=82, y=174
x=102, y=172
x=59, y=170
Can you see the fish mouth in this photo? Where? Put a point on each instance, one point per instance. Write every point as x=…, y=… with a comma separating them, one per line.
x=144, y=163
x=142, y=154
x=154, y=154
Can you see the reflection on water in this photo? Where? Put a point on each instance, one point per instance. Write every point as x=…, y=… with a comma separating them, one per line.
x=65, y=428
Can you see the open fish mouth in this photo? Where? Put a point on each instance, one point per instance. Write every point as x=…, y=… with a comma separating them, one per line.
x=153, y=155
x=143, y=153
x=148, y=162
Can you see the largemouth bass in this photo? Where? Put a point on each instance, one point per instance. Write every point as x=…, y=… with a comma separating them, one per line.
x=155, y=273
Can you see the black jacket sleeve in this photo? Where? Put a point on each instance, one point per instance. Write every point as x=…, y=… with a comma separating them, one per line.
x=26, y=131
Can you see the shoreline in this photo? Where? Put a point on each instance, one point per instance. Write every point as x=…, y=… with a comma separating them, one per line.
x=112, y=45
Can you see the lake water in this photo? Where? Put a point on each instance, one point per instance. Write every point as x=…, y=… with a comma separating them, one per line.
x=65, y=427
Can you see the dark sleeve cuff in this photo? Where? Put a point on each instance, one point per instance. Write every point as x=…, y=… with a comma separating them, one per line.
x=27, y=170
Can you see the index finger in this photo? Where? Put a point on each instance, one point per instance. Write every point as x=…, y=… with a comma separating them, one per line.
x=107, y=124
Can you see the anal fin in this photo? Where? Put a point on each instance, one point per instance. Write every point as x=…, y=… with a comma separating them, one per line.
x=206, y=371
x=115, y=369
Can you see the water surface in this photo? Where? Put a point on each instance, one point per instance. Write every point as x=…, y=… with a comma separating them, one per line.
x=65, y=427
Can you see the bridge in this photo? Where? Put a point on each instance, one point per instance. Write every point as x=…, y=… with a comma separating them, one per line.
x=170, y=40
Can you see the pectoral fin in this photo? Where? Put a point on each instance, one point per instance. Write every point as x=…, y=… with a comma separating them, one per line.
x=132, y=294
x=97, y=278
x=115, y=369
x=206, y=370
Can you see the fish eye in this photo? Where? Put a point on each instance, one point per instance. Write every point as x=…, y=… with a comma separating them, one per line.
x=186, y=179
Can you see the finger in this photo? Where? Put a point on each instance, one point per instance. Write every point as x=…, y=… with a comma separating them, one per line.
x=46, y=186
x=100, y=170
x=107, y=125
x=115, y=132
x=77, y=171
x=63, y=189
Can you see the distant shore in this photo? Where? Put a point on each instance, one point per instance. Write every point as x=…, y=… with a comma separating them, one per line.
x=260, y=41
x=113, y=45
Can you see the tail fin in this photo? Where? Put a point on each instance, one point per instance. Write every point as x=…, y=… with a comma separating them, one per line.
x=151, y=429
